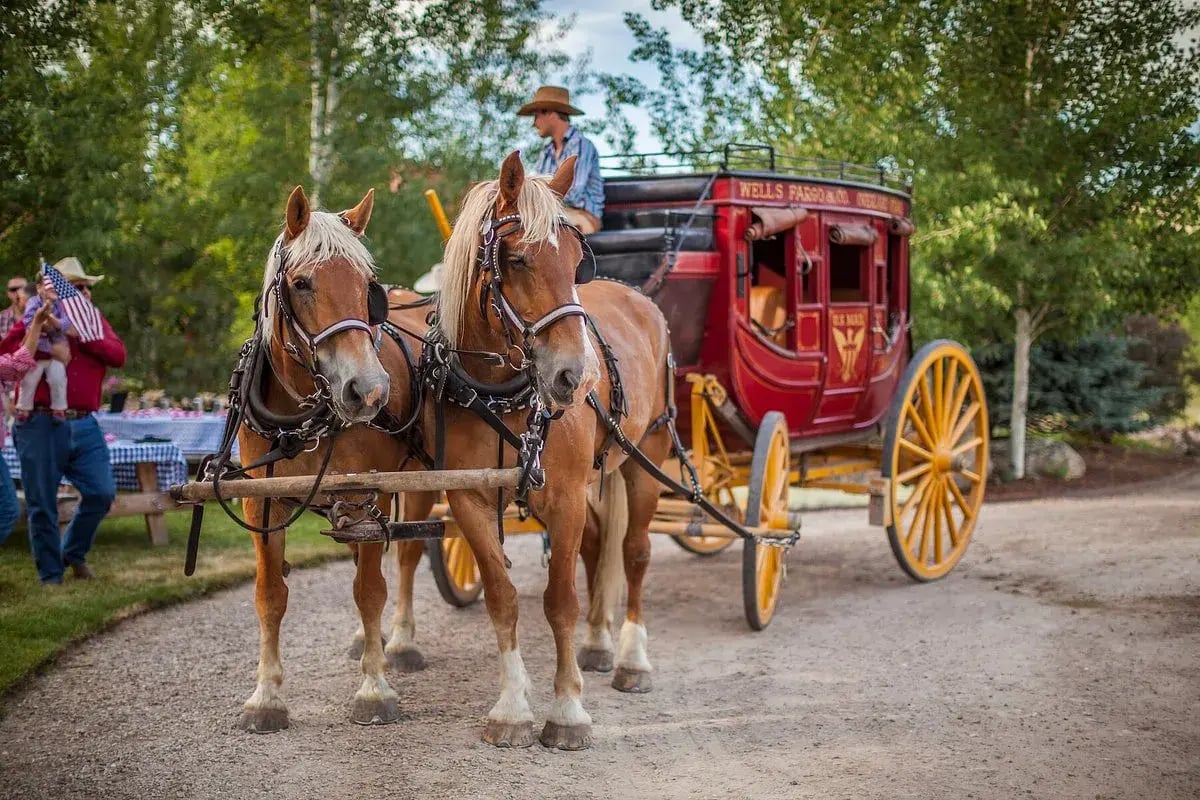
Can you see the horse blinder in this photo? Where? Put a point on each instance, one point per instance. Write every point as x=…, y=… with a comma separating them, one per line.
x=377, y=304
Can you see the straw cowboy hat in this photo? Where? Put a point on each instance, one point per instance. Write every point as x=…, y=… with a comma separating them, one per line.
x=431, y=281
x=72, y=270
x=550, y=98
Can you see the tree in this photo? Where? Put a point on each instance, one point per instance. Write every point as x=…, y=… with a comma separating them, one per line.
x=156, y=140
x=1057, y=167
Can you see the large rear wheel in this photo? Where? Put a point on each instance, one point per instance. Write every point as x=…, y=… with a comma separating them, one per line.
x=935, y=456
x=766, y=506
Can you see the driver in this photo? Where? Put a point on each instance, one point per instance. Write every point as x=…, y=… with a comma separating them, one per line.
x=551, y=110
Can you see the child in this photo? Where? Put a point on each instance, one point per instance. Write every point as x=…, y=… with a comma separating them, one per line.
x=53, y=355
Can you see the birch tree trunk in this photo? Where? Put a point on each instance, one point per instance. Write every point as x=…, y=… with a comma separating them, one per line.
x=324, y=72
x=1020, y=394
x=316, y=127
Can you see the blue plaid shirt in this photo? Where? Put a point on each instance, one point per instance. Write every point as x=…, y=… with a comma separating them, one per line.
x=587, y=192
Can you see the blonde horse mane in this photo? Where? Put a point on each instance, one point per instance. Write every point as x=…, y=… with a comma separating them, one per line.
x=324, y=239
x=541, y=218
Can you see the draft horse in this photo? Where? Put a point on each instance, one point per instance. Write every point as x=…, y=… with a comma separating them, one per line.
x=510, y=295
x=319, y=317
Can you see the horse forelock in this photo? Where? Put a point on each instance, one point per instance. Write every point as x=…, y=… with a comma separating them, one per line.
x=325, y=239
x=540, y=210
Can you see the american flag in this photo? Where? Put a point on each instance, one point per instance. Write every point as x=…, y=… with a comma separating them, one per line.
x=83, y=314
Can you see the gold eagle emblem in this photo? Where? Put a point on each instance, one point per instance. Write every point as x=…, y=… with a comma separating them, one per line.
x=849, y=341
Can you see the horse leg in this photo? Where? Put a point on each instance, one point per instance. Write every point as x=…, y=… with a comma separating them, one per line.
x=401, y=651
x=601, y=550
x=375, y=703
x=265, y=711
x=402, y=654
x=568, y=726
x=355, y=651
x=633, y=664
x=510, y=722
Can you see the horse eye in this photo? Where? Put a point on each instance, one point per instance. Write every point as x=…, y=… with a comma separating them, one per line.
x=517, y=261
x=302, y=284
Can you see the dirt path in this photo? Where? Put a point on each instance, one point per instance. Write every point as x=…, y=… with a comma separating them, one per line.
x=1061, y=659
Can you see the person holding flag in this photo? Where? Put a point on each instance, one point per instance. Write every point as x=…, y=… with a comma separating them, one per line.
x=50, y=450
x=53, y=352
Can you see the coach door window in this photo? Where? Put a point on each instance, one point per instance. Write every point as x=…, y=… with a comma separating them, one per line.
x=850, y=262
x=768, y=306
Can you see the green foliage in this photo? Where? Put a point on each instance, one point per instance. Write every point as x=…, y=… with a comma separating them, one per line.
x=1165, y=349
x=37, y=623
x=1092, y=386
x=157, y=140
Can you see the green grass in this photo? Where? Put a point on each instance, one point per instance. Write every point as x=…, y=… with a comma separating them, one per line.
x=37, y=623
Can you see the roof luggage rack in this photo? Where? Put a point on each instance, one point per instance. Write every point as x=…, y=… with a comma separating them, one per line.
x=741, y=156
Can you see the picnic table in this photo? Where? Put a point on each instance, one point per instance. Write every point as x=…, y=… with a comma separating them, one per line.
x=195, y=433
x=147, y=469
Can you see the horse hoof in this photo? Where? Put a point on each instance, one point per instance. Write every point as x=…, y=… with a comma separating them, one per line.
x=355, y=651
x=263, y=720
x=595, y=660
x=406, y=660
x=508, y=734
x=626, y=680
x=566, y=737
x=375, y=712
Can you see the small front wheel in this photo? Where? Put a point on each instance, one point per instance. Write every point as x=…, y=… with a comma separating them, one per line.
x=766, y=506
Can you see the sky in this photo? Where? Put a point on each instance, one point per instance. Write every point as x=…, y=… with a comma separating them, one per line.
x=600, y=28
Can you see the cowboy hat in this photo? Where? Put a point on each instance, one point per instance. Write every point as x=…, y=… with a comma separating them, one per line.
x=72, y=270
x=431, y=281
x=551, y=98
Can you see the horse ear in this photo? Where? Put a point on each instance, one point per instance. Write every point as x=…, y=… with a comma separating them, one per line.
x=357, y=218
x=564, y=176
x=297, y=212
x=512, y=177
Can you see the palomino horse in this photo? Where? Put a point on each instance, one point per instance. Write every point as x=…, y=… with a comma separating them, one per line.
x=314, y=326
x=487, y=307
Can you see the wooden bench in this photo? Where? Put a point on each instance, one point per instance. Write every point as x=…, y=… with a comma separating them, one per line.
x=148, y=502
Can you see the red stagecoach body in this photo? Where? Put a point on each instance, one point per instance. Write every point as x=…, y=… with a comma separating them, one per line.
x=809, y=319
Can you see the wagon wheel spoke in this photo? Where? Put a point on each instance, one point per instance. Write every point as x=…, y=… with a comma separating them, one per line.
x=927, y=408
x=965, y=446
x=922, y=431
x=964, y=422
x=916, y=450
x=960, y=500
x=956, y=406
x=948, y=393
x=919, y=518
x=938, y=398
x=908, y=475
x=951, y=528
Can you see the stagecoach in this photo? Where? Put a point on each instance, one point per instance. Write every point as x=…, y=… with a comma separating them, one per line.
x=786, y=288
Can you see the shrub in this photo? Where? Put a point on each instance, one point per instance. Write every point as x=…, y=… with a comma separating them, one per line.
x=1091, y=386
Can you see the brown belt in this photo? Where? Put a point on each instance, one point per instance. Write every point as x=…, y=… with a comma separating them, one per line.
x=70, y=413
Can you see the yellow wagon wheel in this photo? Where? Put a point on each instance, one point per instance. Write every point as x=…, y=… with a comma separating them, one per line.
x=766, y=505
x=935, y=455
x=454, y=570
x=710, y=545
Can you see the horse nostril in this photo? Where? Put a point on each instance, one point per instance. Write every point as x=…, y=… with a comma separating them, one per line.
x=360, y=393
x=567, y=381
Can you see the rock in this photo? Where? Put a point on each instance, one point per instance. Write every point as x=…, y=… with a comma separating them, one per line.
x=1044, y=458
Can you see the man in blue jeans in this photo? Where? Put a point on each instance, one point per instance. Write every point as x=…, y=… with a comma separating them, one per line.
x=51, y=449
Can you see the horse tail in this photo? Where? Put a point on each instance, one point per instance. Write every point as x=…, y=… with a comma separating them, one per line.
x=612, y=511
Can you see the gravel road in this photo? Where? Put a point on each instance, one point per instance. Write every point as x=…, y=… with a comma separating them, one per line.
x=1060, y=659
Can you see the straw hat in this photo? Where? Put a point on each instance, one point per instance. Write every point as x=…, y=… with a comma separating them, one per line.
x=431, y=281
x=551, y=98
x=72, y=270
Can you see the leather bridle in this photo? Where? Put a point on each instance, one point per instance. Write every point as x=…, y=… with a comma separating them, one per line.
x=492, y=296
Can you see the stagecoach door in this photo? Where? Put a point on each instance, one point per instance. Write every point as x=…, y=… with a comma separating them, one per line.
x=777, y=349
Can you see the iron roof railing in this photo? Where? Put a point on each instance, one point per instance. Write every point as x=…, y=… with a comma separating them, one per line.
x=738, y=156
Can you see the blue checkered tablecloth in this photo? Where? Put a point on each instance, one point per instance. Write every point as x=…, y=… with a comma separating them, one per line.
x=195, y=435
x=124, y=456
